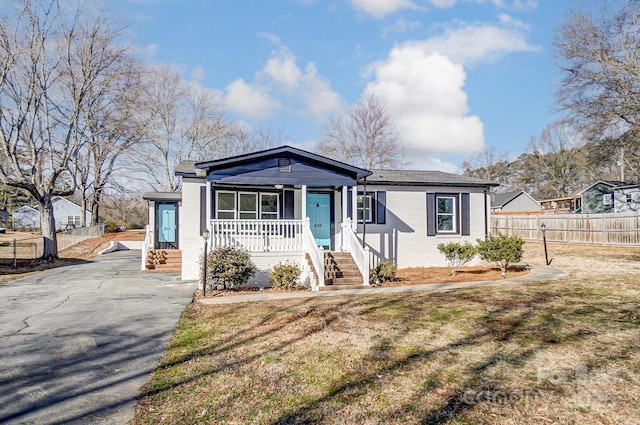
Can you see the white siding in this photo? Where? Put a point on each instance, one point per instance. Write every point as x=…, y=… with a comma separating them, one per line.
x=63, y=208
x=403, y=239
x=189, y=239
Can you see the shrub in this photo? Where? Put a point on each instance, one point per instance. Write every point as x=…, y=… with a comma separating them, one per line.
x=457, y=254
x=285, y=275
x=229, y=268
x=502, y=250
x=385, y=271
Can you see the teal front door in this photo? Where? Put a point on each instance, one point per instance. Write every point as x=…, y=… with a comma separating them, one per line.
x=319, y=213
x=167, y=226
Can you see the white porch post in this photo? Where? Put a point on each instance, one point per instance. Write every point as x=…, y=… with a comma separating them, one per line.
x=304, y=201
x=354, y=208
x=345, y=219
x=208, y=201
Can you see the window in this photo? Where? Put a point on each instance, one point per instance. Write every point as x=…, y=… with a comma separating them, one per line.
x=248, y=206
x=73, y=220
x=226, y=205
x=607, y=199
x=629, y=198
x=365, y=207
x=269, y=206
x=449, y=214
x=446, y=214
x=371, y=207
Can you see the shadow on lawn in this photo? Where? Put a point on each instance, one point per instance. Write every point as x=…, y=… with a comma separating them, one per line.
x=506, y=321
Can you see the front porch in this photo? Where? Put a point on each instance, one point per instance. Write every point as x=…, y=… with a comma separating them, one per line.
x=273, y=241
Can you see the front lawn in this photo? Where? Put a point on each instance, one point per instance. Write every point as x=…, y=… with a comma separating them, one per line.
x=546, y=352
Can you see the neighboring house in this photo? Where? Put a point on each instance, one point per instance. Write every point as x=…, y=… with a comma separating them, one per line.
x=515, y=201
x=626, y=198
x=67, y=215
x=287, y=204
x=598, y=198
x=26, y=217
x=4, y=218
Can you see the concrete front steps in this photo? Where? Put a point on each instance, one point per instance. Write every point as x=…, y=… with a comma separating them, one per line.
x=164, y=261
x=340, y=272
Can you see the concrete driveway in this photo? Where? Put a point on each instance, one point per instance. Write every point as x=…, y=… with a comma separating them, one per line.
x=77, y=342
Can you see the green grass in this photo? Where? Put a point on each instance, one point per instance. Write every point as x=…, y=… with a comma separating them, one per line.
x=560, y=352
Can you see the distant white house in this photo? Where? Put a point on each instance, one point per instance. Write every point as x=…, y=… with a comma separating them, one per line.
x=26, y=217
x=518, y=200
x=67, y=215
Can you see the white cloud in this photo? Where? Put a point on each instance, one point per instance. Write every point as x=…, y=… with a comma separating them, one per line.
x=305, y=92
x=270, y=37
x=282, y=69
x=401, y=26
x=423, y=92
x=469, y=44
x=249, y=100
x=380, y=8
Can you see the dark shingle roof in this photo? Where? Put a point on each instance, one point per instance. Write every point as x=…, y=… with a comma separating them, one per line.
x=424, y=178
x=500, y=199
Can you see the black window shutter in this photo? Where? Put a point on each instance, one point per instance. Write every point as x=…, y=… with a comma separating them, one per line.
x=289, y=212
x=465, y=211
x=431, y=214
x=203, y=208
x=381, y=213
x=350, y=204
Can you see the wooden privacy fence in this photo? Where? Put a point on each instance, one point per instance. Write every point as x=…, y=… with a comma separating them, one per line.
x=602, y=229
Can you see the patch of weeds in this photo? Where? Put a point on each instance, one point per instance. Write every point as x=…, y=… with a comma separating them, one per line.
x=271, y=358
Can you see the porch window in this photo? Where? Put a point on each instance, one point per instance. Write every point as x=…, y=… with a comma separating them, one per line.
x=446, y=214
x=248, y=206
x=226, y=205
x=269, y=206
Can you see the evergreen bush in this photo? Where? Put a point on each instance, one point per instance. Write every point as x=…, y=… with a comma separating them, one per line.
x=502, y=250
x=457, y=254
x=229, y=268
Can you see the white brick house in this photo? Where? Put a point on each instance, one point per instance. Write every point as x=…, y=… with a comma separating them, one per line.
x=289, y=204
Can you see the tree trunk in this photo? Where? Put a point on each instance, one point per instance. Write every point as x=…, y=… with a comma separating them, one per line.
x=83, y=207
x=95, y=207
x=48, y=226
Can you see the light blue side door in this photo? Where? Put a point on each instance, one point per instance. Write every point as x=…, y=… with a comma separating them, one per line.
x=319, y=213
x=167, y=226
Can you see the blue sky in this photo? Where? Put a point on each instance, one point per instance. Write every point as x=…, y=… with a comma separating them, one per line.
x=455, y=75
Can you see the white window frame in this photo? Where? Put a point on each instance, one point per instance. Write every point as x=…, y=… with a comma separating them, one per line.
x=241, y=212
x=235, y=203
x=276, y=214
x=607, y=199
x=453, y=215
x=368, y=207
x=629, y=198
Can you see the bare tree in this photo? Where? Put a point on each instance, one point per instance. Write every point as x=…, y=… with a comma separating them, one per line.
x=366, y=137
x=556, y=159
x=112, y=128
x=489, y=164
x=184, y=122
x=600, y=60
x=50, y=61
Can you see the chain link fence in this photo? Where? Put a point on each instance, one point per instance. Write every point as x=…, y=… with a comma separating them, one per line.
x=30, y=248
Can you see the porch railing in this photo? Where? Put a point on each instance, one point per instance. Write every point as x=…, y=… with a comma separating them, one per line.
x=352, y=244
x=146, y=246
x=258, y=235
x=316, y=254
